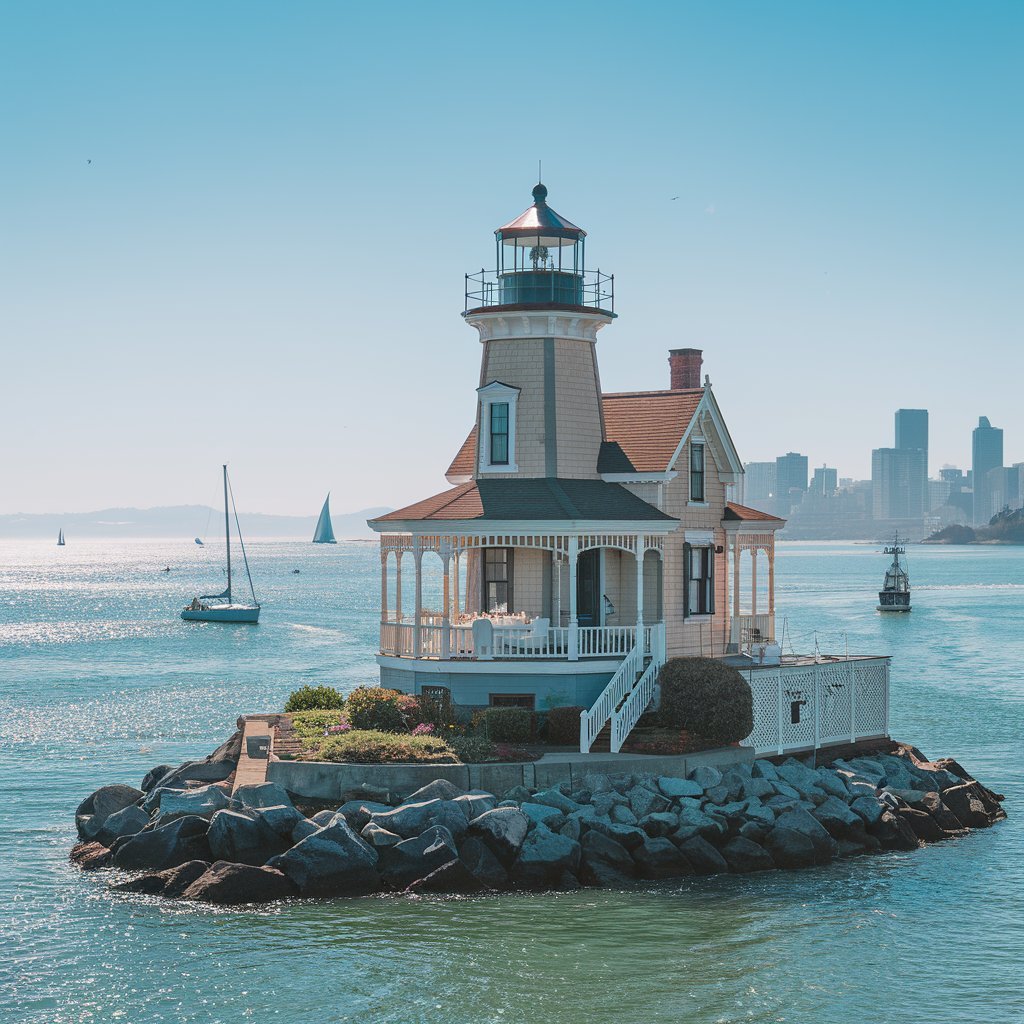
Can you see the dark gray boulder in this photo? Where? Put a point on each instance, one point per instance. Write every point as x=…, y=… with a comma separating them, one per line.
x=661, y=858
x=203, y=800
x=925, y=827
x=197, y=771
x=357, y=812
x=543, y=858
x=166, y=846
x=94, y=810
x=171, y=882
x=228, y=883
x=333, y=862
x=622, y=814
x=412, y=819
x=439, y=789
x=867, y=808
x=839, y=819
x=644, y=800
x=484, y=865
x=628, y=836
x=303, y=827
x=503, y=830
x=705, y=776
x=263, y=794
x=400, y=865
x=762, y=769
x=244, y=839
x=555, y=798
x=659, y=823
x=542, y=814
x=791, y=849
x=282, y=819
x=799, y=820
x=743, y=855
x=451, y=877
x=230, y=749
x=476, y=802
x=604, y=862
x=127, y=822
x=703, y=857
x=154, y=775
x=675, y=788
x=367, y=793
x=894, y=832
x=379, y=837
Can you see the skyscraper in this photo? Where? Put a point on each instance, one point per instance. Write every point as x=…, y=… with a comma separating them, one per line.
x=912, y=430
x=899, y=485
x=759, y=483
x=790, y=480
x=825, y=482
x=986, y=455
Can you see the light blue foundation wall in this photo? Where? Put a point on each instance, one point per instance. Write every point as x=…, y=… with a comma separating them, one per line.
x=475, y=688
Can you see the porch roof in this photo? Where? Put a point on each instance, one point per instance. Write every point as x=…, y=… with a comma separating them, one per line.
x=745, y=514
x=539, y=499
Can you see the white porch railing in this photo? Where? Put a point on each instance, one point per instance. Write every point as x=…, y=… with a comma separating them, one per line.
x=746, y=627
x=801, y=707
x=397, y=639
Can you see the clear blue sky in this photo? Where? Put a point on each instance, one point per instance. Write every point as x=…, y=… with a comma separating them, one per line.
x=263, y=262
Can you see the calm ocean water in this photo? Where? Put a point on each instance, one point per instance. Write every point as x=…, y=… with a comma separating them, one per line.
x=100, y=680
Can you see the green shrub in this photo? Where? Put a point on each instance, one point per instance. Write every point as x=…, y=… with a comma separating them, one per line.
x=310, y=725
x=706, y=697
x=379, y=709
x=311, y=698
x=373, y=747
x=473, y=749
x=564, y=726
x=508, y=725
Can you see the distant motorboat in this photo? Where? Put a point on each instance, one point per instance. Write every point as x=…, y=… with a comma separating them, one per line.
x=895, y=593
x=221, y=608
x=199, y=542
x=324, y=533
x=295, y=572
x=60, y=538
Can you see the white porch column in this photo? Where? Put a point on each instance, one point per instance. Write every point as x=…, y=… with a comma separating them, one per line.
x=771, y=588
x=398, y=585
x=457, y=563
x=384, y=586
x=736, y=551
x=446, y=621
x=574, y=635
x=753, y=580
x=639, y=592
x=416, y=631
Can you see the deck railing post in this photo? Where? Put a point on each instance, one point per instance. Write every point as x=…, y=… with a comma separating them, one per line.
x=416, y=624
x=574, y=638
x=778, y=724
x=853, y=702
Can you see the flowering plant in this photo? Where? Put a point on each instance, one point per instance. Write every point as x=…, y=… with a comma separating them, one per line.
x=423, y=729
x=343, y=725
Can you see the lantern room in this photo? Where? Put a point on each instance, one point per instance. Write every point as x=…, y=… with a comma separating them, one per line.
x=540, y=263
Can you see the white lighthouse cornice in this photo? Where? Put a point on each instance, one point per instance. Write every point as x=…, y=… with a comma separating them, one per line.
x=540, y=324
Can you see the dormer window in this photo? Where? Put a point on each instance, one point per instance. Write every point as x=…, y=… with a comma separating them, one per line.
x=498, y=427
x=696, y=471
x=499, y=433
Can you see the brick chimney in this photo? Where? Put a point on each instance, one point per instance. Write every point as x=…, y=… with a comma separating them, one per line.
x=685, y=364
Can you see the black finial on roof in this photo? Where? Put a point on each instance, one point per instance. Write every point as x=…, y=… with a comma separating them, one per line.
x=540, y=193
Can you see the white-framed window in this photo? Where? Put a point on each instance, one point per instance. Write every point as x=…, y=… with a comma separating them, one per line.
x=699, y=579
x=498, y=427
x=697, y=475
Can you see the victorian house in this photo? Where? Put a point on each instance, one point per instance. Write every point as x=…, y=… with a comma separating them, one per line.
x=586, y=535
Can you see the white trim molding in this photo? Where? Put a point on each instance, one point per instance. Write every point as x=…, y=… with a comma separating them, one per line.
x=490, y=395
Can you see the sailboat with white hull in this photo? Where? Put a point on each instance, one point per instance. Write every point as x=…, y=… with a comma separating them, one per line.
x=324, y=532
x=221, y=607
x=60, y=538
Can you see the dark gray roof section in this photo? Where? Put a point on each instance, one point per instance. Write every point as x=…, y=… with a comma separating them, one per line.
x=553, y=499
x=612, y=459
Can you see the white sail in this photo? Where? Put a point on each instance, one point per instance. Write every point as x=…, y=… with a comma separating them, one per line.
x=324, y=533
x=60, y=539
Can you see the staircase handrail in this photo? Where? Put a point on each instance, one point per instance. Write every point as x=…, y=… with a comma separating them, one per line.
x=593, y=721
x=626, y=716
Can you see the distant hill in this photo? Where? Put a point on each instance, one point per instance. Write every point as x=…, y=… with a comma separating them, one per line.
x=1005, y=528
x=179, y=520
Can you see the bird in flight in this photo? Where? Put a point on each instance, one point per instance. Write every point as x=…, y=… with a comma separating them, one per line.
x=88, y=161
x=674, y=198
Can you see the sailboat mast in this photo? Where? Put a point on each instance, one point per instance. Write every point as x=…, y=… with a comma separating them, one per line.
x=227, y=530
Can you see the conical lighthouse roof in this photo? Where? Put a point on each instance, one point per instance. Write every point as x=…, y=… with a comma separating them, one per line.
x=540, y=225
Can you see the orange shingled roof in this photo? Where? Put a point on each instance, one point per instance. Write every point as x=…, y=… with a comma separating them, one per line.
x=747, y=514
x=645, y=425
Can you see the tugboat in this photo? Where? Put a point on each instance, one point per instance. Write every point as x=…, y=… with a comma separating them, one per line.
x=895, y=593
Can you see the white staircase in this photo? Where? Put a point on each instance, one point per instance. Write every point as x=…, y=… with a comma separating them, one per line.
x=628, y=693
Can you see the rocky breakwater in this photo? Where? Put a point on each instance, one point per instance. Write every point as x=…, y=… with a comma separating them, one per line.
x=183, y=834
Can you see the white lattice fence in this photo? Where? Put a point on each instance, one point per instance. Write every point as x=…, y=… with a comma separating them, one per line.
x=801, y=707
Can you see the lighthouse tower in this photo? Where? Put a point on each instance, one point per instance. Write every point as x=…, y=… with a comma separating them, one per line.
x=537, y=314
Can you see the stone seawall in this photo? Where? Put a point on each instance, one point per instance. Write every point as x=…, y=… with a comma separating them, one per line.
x=184, y=834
